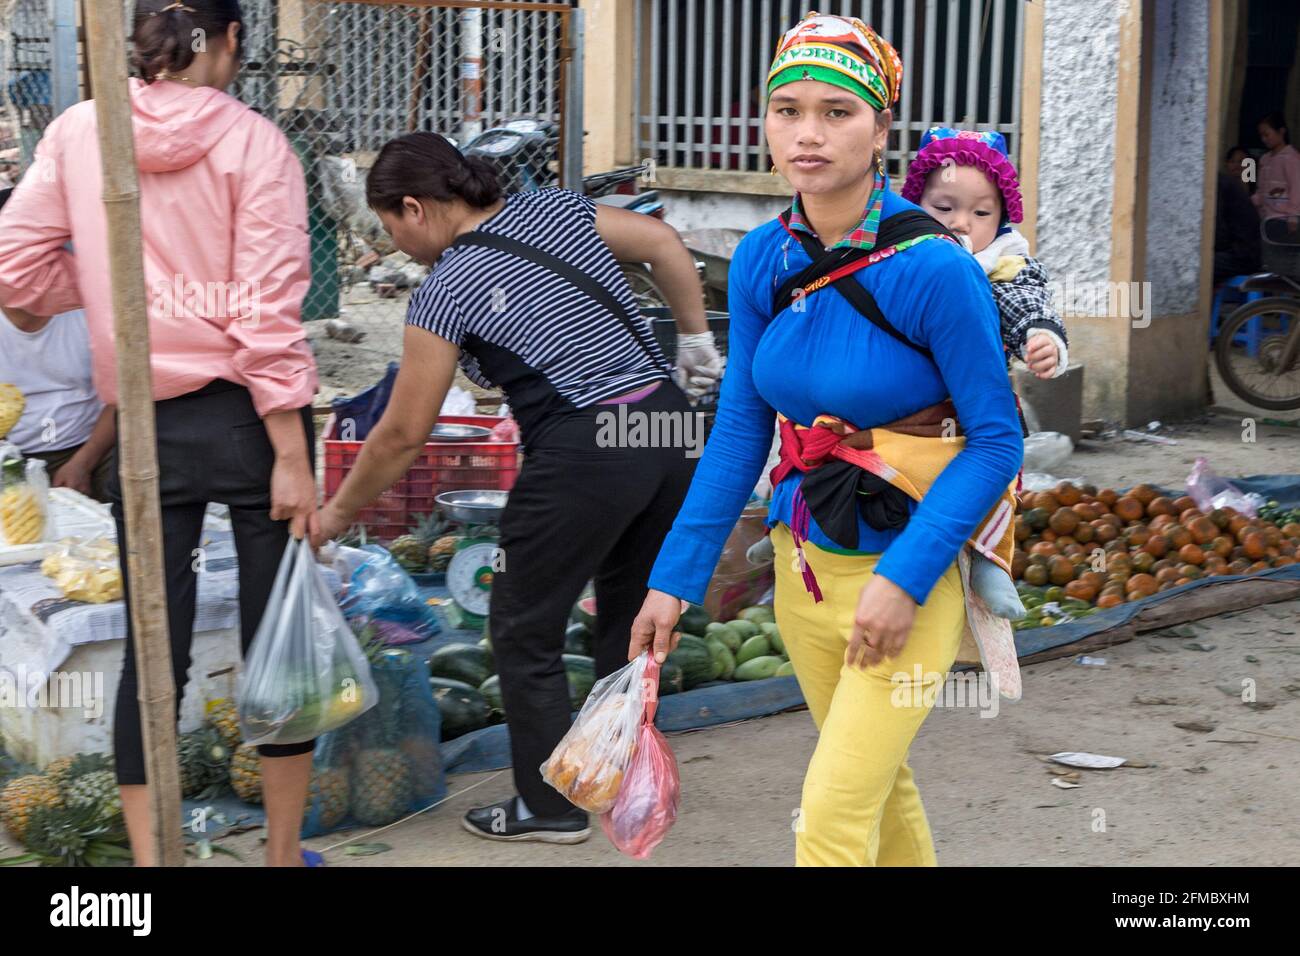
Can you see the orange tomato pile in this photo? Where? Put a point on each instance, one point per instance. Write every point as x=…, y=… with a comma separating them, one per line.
x=1103, y=548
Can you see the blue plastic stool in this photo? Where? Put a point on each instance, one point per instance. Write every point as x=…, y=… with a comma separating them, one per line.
x=1231, y=293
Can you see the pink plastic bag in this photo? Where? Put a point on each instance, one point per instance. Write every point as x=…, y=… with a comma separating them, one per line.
x=646, y=807
x=1209, y=491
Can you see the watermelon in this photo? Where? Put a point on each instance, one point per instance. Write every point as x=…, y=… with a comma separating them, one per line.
x=694, y=620
x=462, y=707
x=469, y=663
x=581, y=672
x=729, y=636
x=670, y=678
x=785, y=670
x=723, y=660
x=760, y=614
x=491, y=691
x=692, y=655
x=756, y=646
x=759, y=668
x=584, y=612
x=578, y=640
x=746, y=629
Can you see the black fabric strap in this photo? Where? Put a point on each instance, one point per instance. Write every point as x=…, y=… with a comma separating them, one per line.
x=900, y=227
x=575, y=277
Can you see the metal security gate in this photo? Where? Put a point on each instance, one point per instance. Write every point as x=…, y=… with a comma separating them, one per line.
x=701, y=68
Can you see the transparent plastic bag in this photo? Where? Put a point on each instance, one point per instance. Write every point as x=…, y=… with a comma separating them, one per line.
x=382, y=590
x=1209, y=491
x=24, y=498
x=648, y=800
x=305, y=673
x=588, y=764
x=85, y=570
x=1047, y=451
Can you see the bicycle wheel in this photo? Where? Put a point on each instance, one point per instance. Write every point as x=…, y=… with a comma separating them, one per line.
x=644, y=288
x=1271, y=378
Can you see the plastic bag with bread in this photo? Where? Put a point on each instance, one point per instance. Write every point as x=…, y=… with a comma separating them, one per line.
x=588, y=764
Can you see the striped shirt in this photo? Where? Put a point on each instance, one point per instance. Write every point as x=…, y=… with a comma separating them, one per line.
x=549, y=346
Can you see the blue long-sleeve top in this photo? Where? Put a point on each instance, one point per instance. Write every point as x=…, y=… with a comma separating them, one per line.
x=827, y=358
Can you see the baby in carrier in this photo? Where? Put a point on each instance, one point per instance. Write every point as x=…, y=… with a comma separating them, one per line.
x=965, y=179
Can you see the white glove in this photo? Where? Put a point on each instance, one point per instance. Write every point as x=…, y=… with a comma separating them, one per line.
x=699, y=366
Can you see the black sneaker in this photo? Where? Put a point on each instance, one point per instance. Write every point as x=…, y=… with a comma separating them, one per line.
x=500, y=821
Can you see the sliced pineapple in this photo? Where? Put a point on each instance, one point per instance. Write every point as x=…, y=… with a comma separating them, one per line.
x=12, y=404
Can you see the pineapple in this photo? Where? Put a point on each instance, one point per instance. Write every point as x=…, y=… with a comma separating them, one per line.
x=425, y=762
x=65, y=770
x=21, y=516
x=221, y=714
x=411, y=550
x=381, y=786
x=77, y=836
x=22, y=798
x=432, y=533
x=205, y=763
x=329, y=794
x=96, y=791
x=246, y=773
x=60, y=771
x=11, y=407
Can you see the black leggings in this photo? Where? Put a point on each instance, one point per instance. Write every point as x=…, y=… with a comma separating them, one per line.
x=212, y=446
x=578, y=511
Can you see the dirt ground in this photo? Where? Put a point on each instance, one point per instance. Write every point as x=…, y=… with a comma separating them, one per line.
x=1218, y=797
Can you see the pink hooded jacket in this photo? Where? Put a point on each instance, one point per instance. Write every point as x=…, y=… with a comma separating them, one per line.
x=223, y=209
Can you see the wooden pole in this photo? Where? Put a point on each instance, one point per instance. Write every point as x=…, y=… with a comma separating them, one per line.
x=137, y=449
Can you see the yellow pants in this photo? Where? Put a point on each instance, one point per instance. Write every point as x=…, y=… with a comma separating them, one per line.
x=860, y=805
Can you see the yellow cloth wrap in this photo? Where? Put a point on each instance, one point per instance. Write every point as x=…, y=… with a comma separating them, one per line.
x=860, y=805
x=914, y=462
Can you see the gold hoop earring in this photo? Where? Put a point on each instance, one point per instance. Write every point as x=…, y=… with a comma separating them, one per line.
x=773, y=170
x=880, y=162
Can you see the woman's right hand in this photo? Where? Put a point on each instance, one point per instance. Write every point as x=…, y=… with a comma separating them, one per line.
x=655, y=626
x=327, y=524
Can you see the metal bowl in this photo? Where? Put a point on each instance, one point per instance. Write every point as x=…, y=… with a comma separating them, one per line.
x=459, y=433
x=473, y=506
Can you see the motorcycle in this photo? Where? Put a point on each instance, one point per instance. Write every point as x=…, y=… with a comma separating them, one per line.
x=1257, y=350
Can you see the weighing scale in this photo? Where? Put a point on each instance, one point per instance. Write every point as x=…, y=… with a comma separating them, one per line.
x=469, y=574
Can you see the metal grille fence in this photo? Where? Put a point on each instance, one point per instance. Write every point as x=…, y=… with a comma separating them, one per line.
x=702, y=68
x=343, y=78
x=26, y=51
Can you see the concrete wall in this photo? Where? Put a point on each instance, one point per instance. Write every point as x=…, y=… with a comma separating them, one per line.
x=1077, y=150
x=1178, y=115
x=705, y=210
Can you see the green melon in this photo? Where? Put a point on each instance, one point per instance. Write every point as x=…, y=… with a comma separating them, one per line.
x=759, y=668
x=756, y=646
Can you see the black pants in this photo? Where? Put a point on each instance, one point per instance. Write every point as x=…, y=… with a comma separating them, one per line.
x=212, y=446
x=578, y=511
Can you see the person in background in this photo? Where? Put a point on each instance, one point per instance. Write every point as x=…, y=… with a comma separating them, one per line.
x=526, y=294
x=64, y=423
x=1236, y=221
x=1235, y=164
x=223, y=204
x=1278, y=193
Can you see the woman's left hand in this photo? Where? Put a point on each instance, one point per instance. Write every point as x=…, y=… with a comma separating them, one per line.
x=882, y=622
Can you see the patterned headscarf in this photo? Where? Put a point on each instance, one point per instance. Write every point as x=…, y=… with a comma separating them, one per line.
x=842, y=51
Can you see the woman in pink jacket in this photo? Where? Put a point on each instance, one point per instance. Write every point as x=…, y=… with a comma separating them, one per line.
x=224, y=215
x=1278, y=195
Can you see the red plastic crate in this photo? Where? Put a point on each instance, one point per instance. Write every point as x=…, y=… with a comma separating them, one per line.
x=442, y=466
